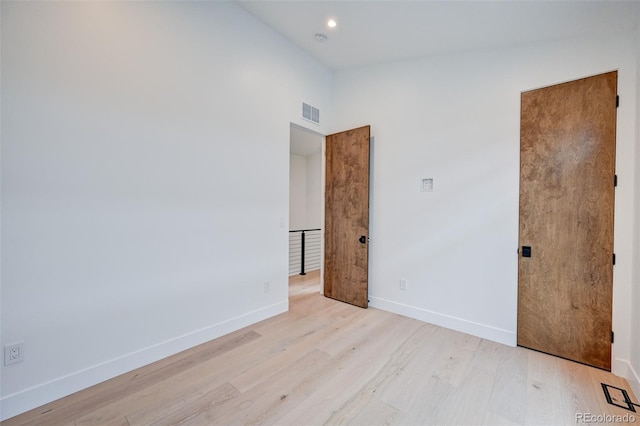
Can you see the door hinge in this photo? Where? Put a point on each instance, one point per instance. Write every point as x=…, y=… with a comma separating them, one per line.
x=614, y=258
x=617, y=101
x=615, y=180
x=612, y=337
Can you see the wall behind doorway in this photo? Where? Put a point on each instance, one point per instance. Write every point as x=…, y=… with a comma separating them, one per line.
x=297, y=192
x=305, y=197
x=305, y=179
x=305, y=192
x=314, y=191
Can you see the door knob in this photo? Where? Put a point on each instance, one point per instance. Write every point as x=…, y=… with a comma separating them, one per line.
x=362, y=239
x=526, y=251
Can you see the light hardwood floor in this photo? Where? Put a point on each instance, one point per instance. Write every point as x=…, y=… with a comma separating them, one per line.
x=326, y=362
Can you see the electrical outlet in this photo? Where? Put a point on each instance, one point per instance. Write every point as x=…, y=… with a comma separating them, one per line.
x=14, y=354
x=403, y=284
x=266, y=287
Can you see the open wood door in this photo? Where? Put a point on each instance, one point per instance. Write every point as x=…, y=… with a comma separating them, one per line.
x=346, y=235
x=567, y=166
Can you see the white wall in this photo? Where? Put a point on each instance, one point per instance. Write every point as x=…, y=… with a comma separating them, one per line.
x=456, y=118
x=297, y=192
x=315, y=192
x=1, y=262
x=143, y=145
x=305, y=191
x=634, y=374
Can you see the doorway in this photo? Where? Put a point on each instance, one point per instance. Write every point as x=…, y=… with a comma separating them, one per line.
x=306, y=204
x=346, y=260
x=567, y=175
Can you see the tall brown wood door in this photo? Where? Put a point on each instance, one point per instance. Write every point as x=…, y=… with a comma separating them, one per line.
x=565, y=267
x=346, y=246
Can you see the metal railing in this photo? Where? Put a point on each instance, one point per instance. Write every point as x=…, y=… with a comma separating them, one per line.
x=304, y=250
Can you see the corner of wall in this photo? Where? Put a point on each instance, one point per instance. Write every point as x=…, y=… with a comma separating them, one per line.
x=634, y=380
x=631, y=369
x=623, y=368
x=633, y=373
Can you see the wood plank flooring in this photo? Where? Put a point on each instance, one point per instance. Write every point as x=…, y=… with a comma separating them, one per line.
x=326, y=362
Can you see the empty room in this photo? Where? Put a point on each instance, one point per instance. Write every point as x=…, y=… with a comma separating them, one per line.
x=319, y=212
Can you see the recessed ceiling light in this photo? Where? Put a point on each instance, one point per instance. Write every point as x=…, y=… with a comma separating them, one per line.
x=332, y=23
x=320, y=37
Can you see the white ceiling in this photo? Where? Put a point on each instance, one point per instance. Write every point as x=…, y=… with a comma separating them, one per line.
x=371, y=32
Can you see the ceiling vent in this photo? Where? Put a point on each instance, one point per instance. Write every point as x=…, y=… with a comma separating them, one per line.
x=310, y=113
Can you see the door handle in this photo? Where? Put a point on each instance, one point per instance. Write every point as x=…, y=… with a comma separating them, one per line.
x=526, y=251
x=362, y=239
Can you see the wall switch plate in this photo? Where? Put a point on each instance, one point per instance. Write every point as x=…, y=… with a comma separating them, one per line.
x=427, y=185
x=14, y=354
x=403, y=284
x=266, y=287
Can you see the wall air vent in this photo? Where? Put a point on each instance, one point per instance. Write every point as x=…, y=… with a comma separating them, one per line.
x=310, y=113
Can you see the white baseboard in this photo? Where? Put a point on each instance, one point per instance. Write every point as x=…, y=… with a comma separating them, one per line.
x=484, y=331
x=634, y=380
x=624, y=369
x=28, y=399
